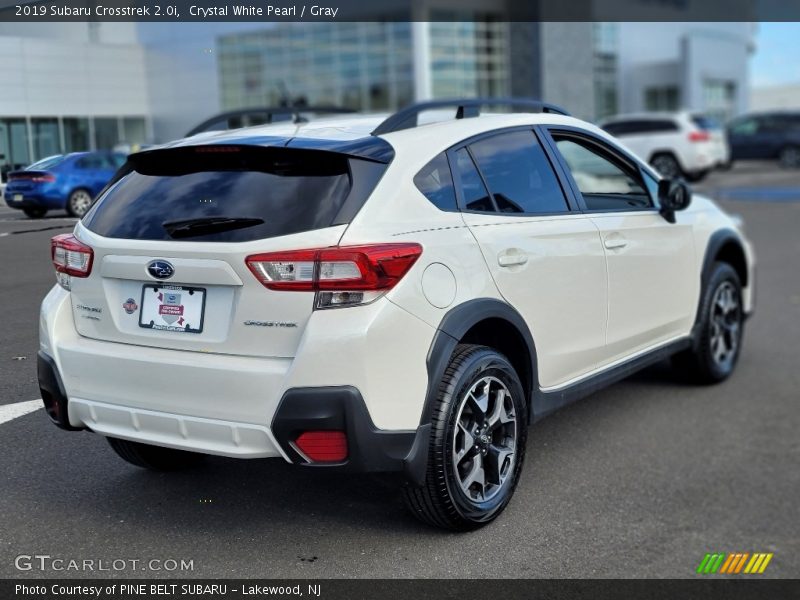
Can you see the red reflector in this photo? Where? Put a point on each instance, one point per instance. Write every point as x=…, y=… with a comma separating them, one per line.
x=323, y=446
x=699, y=136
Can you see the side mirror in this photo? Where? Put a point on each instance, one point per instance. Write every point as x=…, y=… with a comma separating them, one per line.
x=673, y=195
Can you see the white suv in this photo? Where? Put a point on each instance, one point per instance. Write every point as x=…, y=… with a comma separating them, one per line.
x=382, y=296
x=676, y=144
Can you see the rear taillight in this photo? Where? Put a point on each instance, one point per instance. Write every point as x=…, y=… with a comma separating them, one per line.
x=37, y=178
x=341, y=276
x=71, y=258
x=323, y=446
x=44, y=178
x=699, y=136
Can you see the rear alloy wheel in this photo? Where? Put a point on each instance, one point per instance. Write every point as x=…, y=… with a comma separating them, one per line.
x=666, y=165
x=155, y=458
x=477, y=447
x=34, y=213
x=789, y=157
x=79, y=202
x=719, y=335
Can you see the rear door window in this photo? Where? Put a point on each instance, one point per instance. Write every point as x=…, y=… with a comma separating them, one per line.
x=476, y=196
x=232, y=194
x=518, y=173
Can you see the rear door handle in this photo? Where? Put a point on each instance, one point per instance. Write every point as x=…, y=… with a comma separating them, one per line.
x=615, y=241
x=510, y=258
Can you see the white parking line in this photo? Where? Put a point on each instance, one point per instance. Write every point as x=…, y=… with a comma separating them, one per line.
x=9, y=412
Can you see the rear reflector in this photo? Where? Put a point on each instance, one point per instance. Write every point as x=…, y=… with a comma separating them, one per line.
x=699, y=136
x=344, y=275
x=71, y=256
x=323, y=446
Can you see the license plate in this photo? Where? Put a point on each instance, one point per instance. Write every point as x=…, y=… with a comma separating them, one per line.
x=17, y=197
x=172, y=308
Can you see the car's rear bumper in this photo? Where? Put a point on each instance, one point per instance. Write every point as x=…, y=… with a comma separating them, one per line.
x=32, y=199
x=338, y=408
x=237, y=406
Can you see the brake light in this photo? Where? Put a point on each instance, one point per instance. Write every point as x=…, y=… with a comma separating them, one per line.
x=37, y=178
x=341, y=276
x=71, y=258
x=323, y=446
x=699, y=136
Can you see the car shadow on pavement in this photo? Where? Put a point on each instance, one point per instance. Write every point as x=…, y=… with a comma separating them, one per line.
x=270, y=497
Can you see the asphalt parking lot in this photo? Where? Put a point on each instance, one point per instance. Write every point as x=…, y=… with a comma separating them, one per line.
x=640, y=480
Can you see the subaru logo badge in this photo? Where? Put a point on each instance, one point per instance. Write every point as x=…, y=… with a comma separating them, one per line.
x=161, y=269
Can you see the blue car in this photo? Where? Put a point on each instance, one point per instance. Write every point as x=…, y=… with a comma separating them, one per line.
x=64, y=181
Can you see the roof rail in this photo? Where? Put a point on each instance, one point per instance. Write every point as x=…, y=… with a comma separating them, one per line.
x=407, y=118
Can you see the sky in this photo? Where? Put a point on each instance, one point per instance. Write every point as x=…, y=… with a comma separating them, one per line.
x=776, y=60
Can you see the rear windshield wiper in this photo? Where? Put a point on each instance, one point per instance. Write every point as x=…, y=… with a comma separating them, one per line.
x=208, y=225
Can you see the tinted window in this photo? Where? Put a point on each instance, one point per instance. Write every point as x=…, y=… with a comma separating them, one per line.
x=233, y=196
x=747, y=126
x=706, y=123
x=93, y=161
x=518, y=173
x=640, y=127
x=604, y=182
x=475, y=195
x=436, y=182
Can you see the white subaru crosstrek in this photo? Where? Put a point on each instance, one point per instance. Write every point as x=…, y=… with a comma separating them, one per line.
x=373, y=295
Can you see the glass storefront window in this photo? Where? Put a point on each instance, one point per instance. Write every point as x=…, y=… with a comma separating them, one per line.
x=13, y=145
x=46, y=140
x=106, y=132
x=76, y=134
x=135, y=131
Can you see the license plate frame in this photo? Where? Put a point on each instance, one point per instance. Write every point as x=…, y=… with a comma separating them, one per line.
x=175, y=308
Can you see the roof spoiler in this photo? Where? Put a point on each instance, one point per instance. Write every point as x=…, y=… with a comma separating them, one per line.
x=408, y=118
x=268, y=112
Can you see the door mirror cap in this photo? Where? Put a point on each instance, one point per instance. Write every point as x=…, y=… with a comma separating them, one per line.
x=673, y=195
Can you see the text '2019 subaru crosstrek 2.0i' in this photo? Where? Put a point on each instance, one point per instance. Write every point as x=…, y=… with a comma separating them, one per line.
x=372, y=295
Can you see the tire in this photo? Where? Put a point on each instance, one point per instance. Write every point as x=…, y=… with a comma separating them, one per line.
x=34, y=213
x=696, y=176
x=447, y=499
x=789, y=157
x=155, y=458
x=720, y=329
x=667, y=165
x=79, y=202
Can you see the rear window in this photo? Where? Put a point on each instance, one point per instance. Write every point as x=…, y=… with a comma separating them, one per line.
x=46, y=163
x=641, y=126
x=705, y=123
x=232, y=194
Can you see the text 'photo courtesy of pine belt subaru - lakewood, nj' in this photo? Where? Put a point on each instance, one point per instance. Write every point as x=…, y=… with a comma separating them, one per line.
x=383, y=294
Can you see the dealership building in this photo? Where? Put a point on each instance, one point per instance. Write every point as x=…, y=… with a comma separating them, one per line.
x=77, y=86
